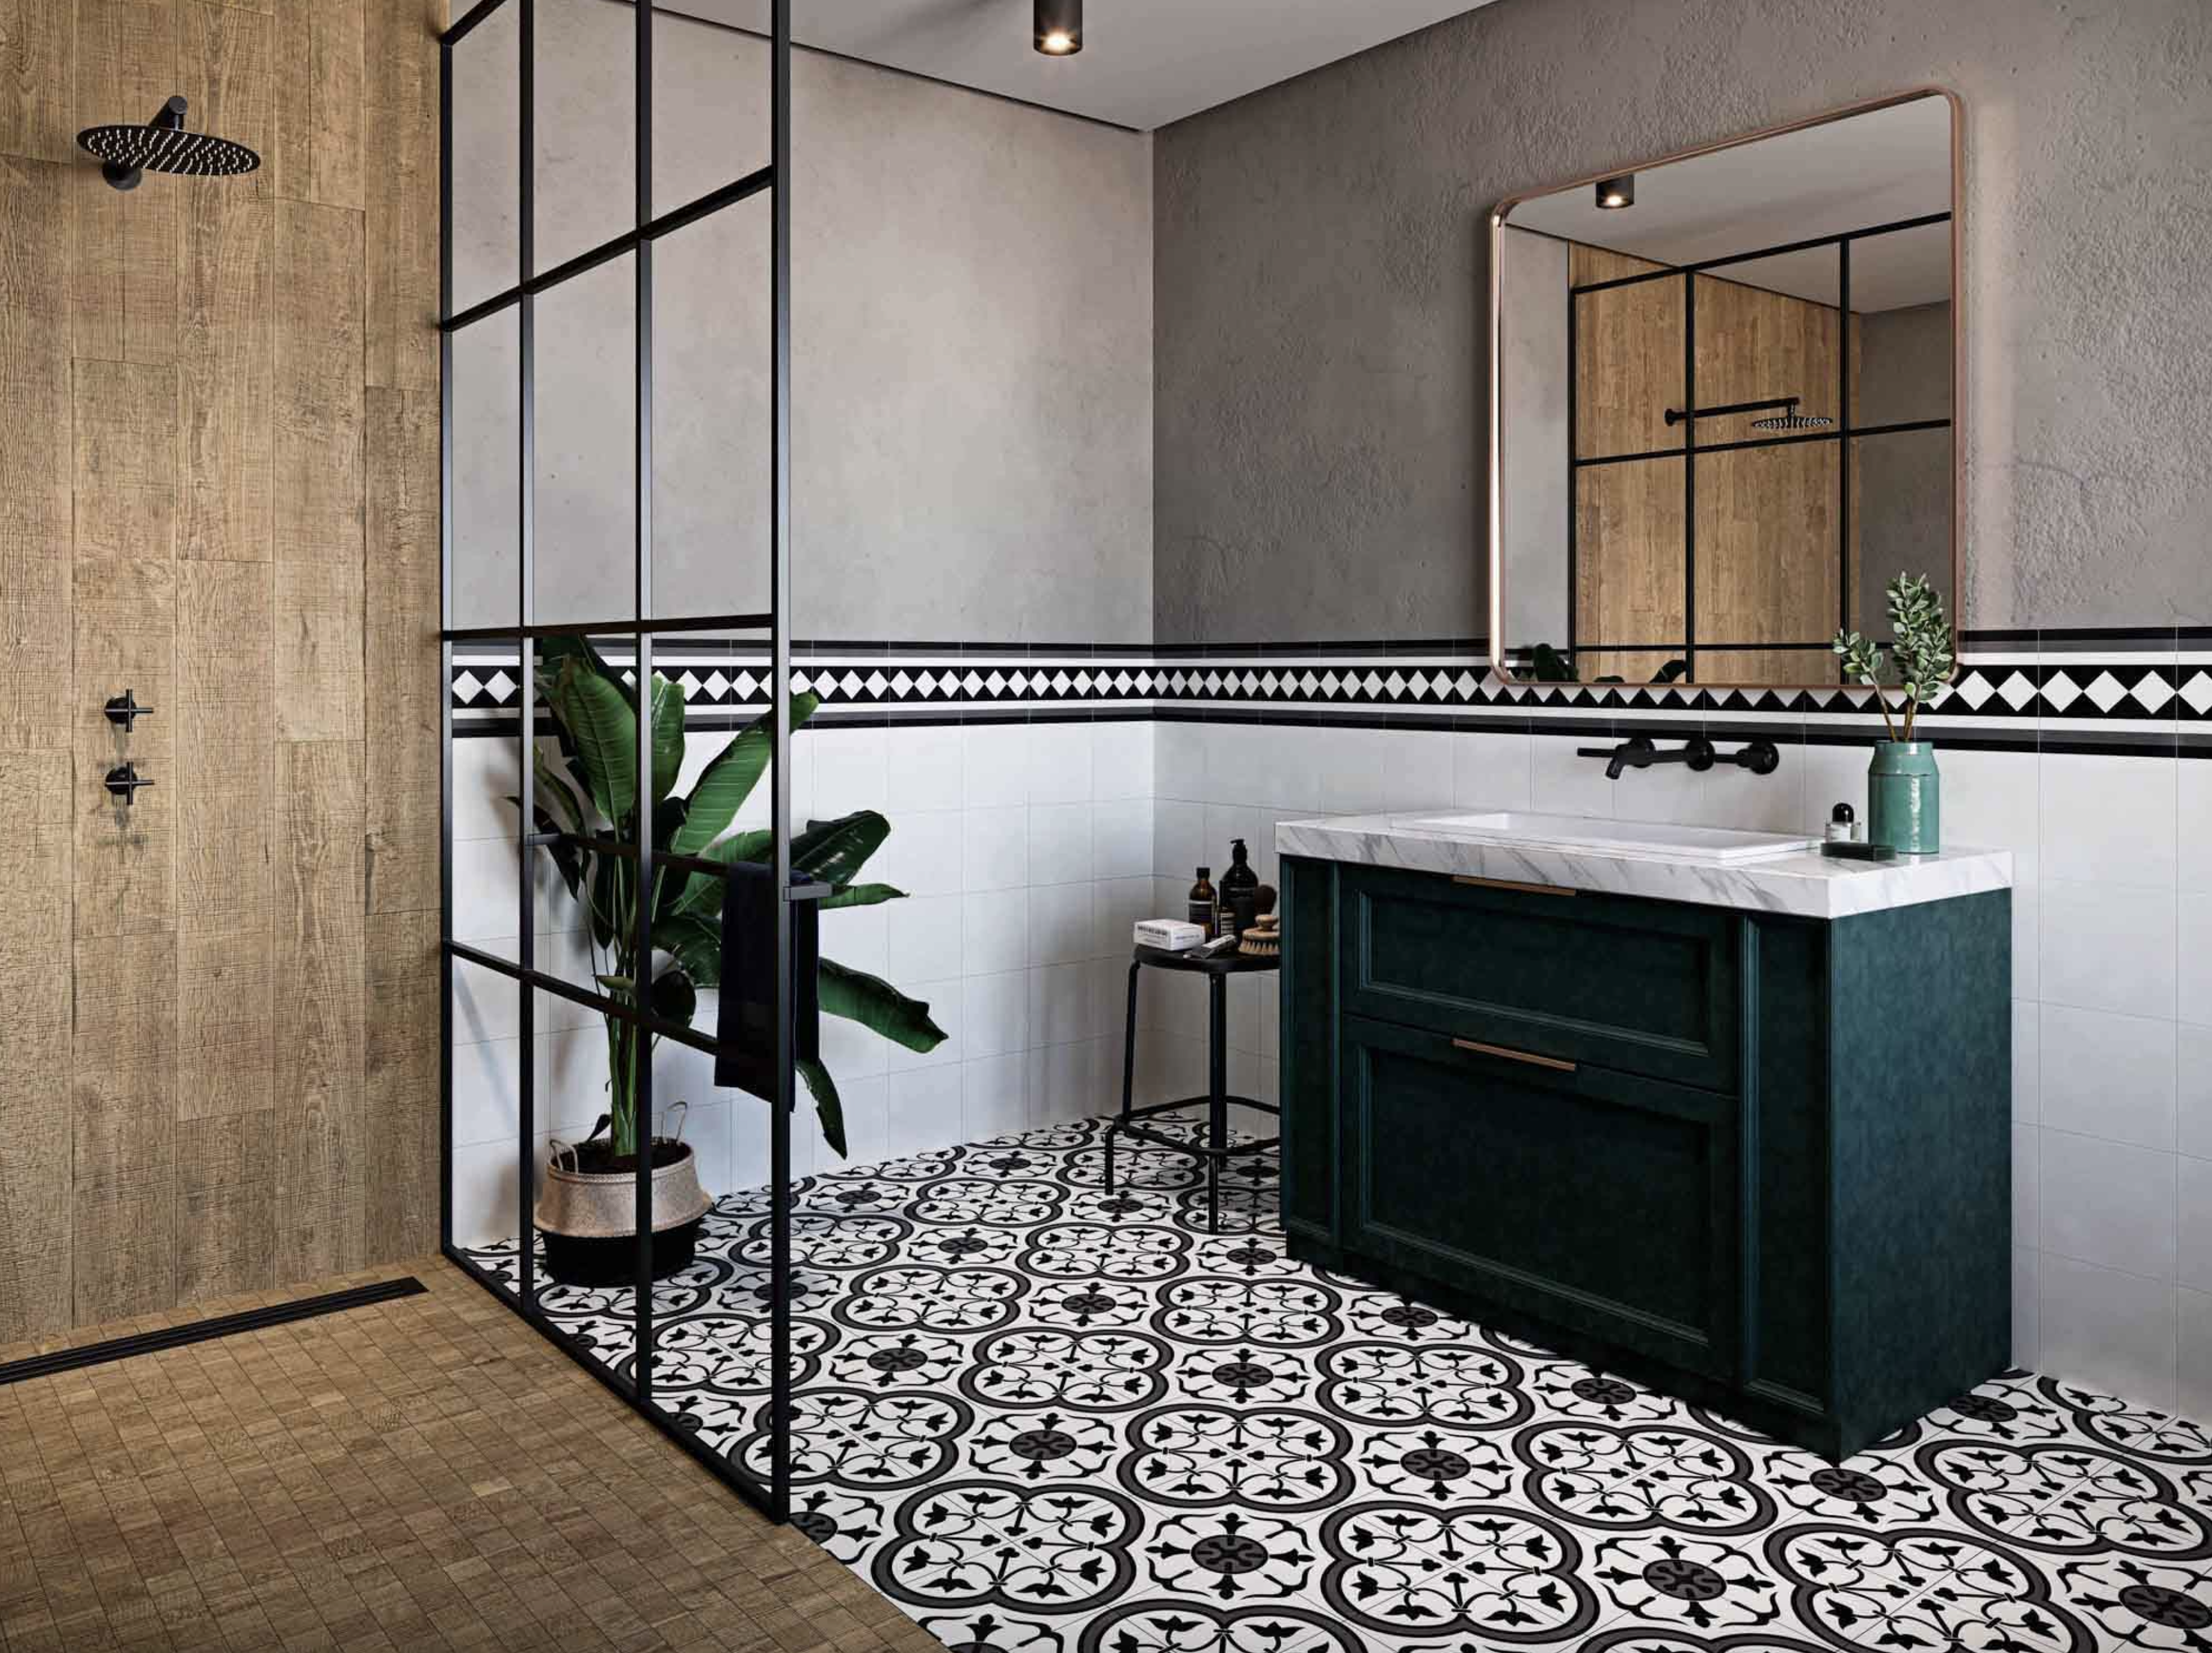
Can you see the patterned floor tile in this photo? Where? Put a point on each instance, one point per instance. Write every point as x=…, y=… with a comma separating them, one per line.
x=1043, y=1415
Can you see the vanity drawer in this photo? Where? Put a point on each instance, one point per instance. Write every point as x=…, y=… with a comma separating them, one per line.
x=1640, y=987
x=1602, y=1202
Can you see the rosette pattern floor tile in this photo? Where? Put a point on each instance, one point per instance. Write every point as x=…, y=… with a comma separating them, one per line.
x=1041, y=1417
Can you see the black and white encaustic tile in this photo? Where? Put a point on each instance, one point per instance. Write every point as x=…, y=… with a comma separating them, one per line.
x=1044, y=1418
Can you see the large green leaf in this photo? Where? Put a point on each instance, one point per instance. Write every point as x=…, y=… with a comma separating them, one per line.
x=702, y=891
x=862, y=895
x=695, y=942
x=597, y=713
x=878, y=1006
x=828, y=1106
x=834, y=851
x=667, y=736
x=726, y=781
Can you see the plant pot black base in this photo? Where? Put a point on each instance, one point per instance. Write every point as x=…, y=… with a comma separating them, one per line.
x=571, y=1261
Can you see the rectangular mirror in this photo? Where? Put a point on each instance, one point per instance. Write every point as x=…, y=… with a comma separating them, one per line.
x=1723, y=392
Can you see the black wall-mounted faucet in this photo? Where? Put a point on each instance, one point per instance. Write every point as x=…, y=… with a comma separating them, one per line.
x=1761, y=757
x=123, y=781
x=123, y=709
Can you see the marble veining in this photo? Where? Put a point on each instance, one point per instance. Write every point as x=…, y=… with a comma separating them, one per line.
x=1808, y=885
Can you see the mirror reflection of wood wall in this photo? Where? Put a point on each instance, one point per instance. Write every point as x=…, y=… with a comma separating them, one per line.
x=1767, y=542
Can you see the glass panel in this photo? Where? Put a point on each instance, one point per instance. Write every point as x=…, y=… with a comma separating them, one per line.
x=1769, y=567
x=1629, y=573
x=586, y=164
x=487, y=136
x=710, y=415
x=486, y=381
x=1532, y=433
x=1768, y=342
x=710, y=108
x=587, y=446
x=1627, y=359
x=1901, y=523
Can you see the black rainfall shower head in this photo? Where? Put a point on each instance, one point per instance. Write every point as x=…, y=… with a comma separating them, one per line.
x=127, y=153
x=1791, y=419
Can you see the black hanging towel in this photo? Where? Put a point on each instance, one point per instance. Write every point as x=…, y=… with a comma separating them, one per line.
x=745, y=1027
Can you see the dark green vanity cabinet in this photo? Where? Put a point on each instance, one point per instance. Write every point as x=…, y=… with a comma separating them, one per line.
x=1762, y=1162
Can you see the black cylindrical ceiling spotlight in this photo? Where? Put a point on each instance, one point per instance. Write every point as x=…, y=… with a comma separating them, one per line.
x=1059, y=28
x=1617, y=192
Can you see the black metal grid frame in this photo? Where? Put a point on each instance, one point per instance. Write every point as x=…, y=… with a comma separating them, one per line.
x=771, y=1493
x=1843, y=433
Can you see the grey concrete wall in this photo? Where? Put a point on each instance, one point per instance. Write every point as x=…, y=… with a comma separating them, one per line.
x=1320, y=283
x=971, y=332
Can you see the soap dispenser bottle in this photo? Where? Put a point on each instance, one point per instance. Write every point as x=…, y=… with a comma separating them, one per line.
x=1240, y=888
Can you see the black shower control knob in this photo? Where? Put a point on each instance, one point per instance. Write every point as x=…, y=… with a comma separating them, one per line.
x=123, y=781
x=124, y=709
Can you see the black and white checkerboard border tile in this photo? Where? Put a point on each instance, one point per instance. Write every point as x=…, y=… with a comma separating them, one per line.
x=1041, y=1416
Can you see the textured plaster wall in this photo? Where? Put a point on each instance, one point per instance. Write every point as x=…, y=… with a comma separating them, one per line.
x=1320, y=281
x=972, y=331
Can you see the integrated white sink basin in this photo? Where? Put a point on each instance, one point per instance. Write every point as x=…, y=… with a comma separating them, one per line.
x=1708, y=846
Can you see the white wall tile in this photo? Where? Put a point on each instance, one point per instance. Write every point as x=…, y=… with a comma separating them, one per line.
x=1064, y=1008
x=995, y=931
x=1121, y=838
x=1563, y=784
x=571, y=1081
x=485, y=1003
x=924, y=768
x=2193, y=828
x=924, y=1109
x=486, y=1189
x=486, y=880
x=1735, y=797
x=1121, y=760
x=2193, y=960
x=2027, y=1061
x=486, y=771
x=2108, y=1331
x=1118, y=905
x=925, y=853
x=996, y=1012
x=1990, y=800
x=2026, y=1184
x=850, y=770
x=859, y=937
x=2108, y=1076
x=1178, y=837
x=1073, y=1081
x=2105, y=948
x=2193, y=1065
x=1059, y=844
x=924, y=938
x=1236, y=765
x=1290, y=783
x=867, y=1120
x=2108, y=1203
x=2108, y=820
x=709, y=1128
x=2193, y=1326
x=995, y=758
x=1060, y=763
x=1838, y=774
x=1225, y=825
x=1178, y=762
x=850, y=1051
x=2027, y=1318
x=2027, y=926
x=487, y=1091
x=1062, y=925
x=2194, y=1207
x=994, y=848
x=994, y=1096
x=1490, y=771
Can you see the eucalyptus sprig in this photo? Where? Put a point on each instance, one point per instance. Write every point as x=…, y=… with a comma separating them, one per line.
x=1921, y=642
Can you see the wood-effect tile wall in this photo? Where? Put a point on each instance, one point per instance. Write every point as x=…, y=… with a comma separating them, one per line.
x=217, y=489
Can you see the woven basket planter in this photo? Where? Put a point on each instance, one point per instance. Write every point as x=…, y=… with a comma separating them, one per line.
x=589, y=1219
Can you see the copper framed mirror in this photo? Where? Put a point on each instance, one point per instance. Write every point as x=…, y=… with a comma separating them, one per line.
x=1724, y=394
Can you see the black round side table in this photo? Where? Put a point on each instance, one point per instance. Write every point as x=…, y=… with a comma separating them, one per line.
x=1217, y=1147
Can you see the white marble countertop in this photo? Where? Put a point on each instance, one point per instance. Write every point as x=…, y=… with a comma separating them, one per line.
x=1805, y=885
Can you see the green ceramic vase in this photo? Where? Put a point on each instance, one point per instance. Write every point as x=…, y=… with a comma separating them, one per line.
x=1905, y=797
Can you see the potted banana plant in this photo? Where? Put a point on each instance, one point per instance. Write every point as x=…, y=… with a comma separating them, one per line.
x=586, y=1210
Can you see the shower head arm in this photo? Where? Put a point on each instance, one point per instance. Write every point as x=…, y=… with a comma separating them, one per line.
x=1676, y=415
x=171, y=115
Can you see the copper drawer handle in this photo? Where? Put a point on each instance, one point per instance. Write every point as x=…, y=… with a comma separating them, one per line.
x=1508, y=884
x=1533, y=1061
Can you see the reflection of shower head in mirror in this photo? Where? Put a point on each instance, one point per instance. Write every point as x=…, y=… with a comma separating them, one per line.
x=1792, y=421
x=1787, y=420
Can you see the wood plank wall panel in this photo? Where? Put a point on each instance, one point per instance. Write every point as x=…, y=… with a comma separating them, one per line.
x=123, y=290
x=217, y=1009
x=1767, y=560
x=228, y=285
x=322, y=1161
x=1628, y=357
x=1629, y=582
x=37, y=832
x=36, y=463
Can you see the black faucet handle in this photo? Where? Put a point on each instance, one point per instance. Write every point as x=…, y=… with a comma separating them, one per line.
x=123, y=781
x=124, y=709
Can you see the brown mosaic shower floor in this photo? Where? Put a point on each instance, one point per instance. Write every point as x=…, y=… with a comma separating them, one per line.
x=423, y=1473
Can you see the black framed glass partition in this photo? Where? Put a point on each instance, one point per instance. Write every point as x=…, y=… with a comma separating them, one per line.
x=549, y=351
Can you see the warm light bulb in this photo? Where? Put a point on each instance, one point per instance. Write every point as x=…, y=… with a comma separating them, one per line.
x=1059, y=41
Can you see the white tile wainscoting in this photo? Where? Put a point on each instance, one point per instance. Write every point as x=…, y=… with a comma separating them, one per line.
x=1028, y=848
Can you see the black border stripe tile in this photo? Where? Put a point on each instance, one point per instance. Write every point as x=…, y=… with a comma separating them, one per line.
x=86, y=1354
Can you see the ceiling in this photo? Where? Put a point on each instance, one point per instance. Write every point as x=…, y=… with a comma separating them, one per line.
x=1878, y=168
x=1144, y=63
